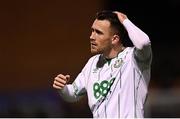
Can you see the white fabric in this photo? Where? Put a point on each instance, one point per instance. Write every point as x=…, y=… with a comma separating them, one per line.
x=131, y=70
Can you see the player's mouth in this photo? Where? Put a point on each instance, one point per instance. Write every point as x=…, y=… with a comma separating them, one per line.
x=93, y=45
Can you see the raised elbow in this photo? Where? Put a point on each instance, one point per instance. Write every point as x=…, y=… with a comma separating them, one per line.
x=144, y=42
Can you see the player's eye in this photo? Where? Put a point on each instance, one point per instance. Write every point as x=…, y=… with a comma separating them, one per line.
x=98, y=32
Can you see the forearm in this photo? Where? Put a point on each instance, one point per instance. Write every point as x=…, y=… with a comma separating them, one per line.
x=136, y=35
x=67, y=93
x=139, y=39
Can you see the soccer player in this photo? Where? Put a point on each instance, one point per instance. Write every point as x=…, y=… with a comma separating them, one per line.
x=116, y=78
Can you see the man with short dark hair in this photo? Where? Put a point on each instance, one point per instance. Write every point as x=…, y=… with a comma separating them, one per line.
x=116, y=78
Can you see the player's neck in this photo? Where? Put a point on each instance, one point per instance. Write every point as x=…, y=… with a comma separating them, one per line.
x=114, y=52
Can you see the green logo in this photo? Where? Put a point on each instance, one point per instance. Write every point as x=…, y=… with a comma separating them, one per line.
x=103, y=88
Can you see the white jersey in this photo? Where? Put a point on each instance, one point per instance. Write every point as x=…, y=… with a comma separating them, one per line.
x=119, y=87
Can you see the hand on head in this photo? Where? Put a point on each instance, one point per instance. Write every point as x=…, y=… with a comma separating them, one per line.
x=121, y=16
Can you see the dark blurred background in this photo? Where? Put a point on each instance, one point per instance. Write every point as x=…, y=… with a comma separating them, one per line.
x=42, y=38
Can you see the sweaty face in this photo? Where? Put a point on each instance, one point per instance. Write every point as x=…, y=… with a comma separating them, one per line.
x=101, y=36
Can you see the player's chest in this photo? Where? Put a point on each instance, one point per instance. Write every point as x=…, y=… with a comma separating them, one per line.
x=107, y=71
x=101, y=79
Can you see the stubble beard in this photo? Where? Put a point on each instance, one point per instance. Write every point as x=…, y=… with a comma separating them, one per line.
x=95, y=51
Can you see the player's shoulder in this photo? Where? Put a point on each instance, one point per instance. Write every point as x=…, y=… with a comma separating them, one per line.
x=129, y=50
x=92, y=60
x=127, y=54
x=94, y=57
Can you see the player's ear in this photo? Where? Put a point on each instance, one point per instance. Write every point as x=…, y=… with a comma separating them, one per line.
x=115, y=39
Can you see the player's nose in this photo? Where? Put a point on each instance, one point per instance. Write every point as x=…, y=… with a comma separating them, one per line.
x=92, y=36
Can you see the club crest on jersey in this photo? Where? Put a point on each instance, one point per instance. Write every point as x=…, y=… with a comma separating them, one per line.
x=118, y=63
